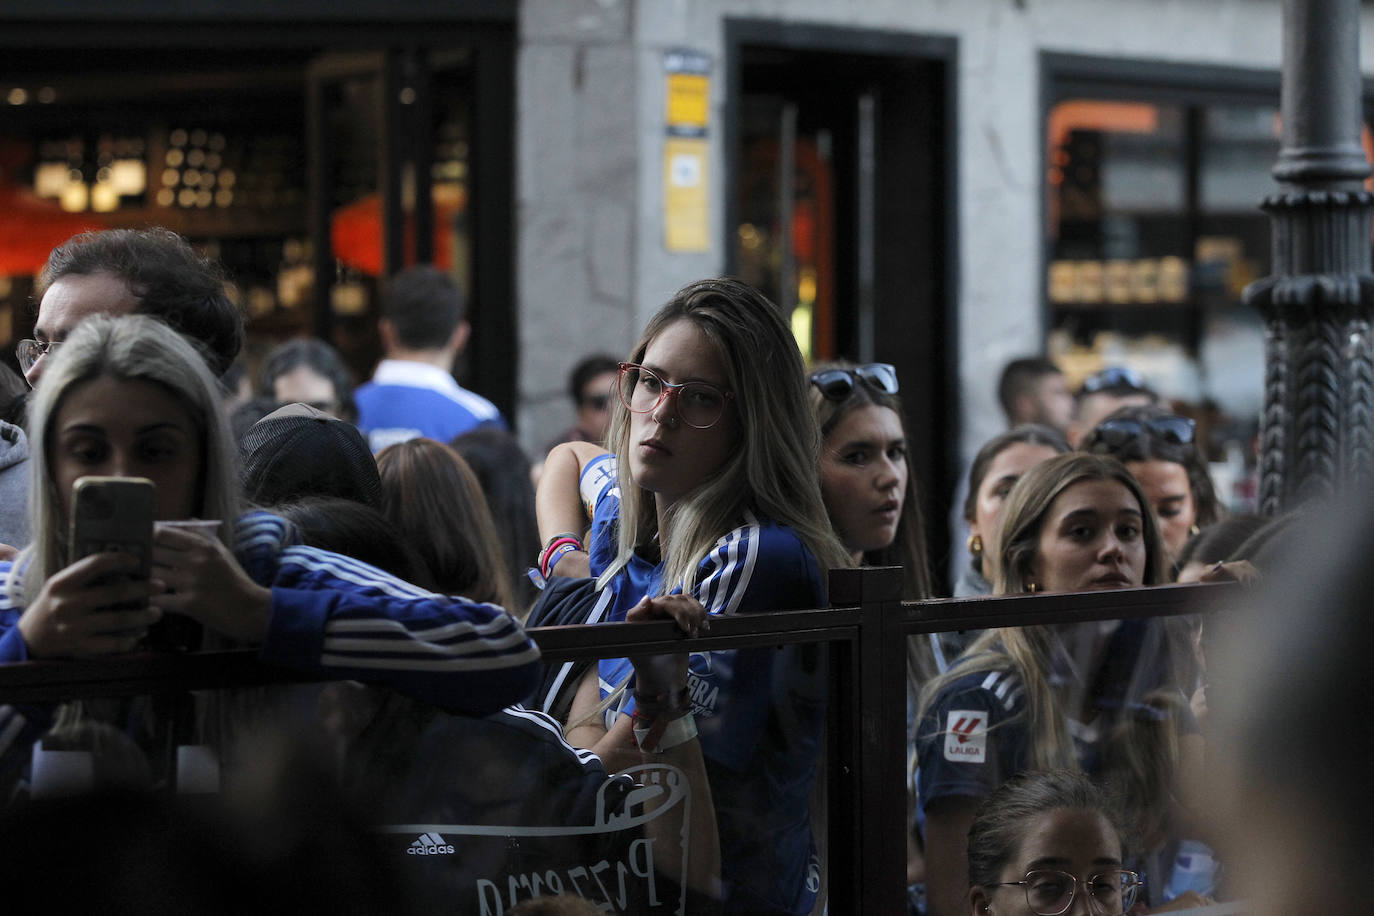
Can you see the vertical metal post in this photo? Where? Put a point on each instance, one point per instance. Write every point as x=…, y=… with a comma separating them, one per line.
x=865, y=233
x=1317, y=432
x=880, y=877
x=787, y=193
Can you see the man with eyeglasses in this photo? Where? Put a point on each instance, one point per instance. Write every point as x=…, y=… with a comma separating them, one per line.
x=1105, y=392
x=114, y=272
x=123, y=271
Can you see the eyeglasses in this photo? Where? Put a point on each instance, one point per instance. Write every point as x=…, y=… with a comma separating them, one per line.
x=1170, y=428
x=699, y=404
x=31, y=351
x=836, y=384
x=1114, y=377
x=1050, y=893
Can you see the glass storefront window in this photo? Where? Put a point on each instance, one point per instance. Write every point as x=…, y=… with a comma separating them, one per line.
x=1154, y=230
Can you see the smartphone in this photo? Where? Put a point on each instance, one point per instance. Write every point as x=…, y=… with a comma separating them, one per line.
x=114, y=514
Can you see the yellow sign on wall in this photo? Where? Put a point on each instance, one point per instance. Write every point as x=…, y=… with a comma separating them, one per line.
x=685, y=217
x=686, y=116
x=689, y=100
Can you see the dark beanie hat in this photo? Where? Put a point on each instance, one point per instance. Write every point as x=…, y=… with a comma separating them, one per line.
x=297, y=452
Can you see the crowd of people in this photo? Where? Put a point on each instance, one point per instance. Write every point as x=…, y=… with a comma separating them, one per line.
x=394, y=540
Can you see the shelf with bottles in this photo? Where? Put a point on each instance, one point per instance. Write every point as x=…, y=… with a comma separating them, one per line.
x=197, y=180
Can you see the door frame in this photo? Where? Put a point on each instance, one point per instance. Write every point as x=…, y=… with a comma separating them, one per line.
x=942, y=464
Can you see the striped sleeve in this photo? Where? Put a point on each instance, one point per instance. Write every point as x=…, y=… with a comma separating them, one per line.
x=544, y=729
x=341, y=616
x=758, y=567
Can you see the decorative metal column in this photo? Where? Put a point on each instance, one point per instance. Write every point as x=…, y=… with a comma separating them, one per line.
x=1317, y=432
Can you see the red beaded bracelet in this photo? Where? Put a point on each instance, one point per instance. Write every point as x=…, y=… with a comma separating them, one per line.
x=562, y=543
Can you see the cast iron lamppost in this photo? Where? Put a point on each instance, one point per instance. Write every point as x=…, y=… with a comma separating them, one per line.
x=1317, y=432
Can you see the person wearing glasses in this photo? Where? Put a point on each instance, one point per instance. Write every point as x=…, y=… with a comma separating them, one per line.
x=1105, y=392
x=126, y=271
x=1161, y=450
x=1052, y=843
x=129, y=397
x=711, y=490
x=1042, y=697
x=114, y=272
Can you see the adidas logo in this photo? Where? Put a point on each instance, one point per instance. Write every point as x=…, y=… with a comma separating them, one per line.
x=430, y=844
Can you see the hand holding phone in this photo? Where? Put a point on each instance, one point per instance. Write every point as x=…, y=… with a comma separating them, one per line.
x=114, y=515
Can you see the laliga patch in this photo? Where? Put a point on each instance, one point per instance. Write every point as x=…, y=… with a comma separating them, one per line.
x=966, y=736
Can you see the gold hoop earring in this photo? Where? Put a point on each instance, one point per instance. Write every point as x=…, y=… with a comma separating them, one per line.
x=975, y=544
x=1193, y=530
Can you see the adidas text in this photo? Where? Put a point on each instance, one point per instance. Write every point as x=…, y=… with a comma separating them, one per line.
x=430, y=844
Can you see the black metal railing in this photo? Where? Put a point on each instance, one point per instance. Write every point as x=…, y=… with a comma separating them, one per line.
x=865, y=631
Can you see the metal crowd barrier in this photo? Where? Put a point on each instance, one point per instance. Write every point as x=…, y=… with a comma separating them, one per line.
x=866, y=630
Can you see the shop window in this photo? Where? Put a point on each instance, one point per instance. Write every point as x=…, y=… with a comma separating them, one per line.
x=1153, y=231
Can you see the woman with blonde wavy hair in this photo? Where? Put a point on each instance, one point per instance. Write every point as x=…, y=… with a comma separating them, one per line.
x=1050, y=697
x=712, y=493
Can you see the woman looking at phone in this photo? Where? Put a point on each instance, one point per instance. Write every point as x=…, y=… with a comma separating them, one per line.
x=128, y=397
x=712, y=493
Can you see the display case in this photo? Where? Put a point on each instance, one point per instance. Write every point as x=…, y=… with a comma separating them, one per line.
x=1153, y=229
x=304, y=169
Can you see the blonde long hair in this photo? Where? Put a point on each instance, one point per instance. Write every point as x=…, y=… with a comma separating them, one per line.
x=128, y=348
x=1028, y=652
x=773, y=472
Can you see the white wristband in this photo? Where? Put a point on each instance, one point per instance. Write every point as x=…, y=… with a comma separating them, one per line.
x=678, y=731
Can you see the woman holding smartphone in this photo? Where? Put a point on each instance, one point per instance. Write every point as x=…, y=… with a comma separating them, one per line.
x=129, y=397
x=712, y=494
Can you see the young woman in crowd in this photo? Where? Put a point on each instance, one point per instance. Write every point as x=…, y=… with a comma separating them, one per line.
x=712, y=492
x=1042, y=842
x=430, y=494
x=869, y=489
x=866, y=475
x=128, y=397
x=996, y=468
x=1053, y=842
x=1032, y=697
x=1159, y=449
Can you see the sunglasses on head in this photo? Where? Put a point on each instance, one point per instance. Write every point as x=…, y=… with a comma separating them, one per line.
x=1170, y=428
x=1114, y=377
x=836, y=384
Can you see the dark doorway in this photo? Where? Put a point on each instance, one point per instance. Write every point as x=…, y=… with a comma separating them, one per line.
x=858, y=245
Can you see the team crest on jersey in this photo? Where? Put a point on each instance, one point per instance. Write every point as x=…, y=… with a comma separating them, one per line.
x=966, y=736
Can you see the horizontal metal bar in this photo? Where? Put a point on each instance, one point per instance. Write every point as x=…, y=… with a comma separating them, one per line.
x=614, y=640
x=948, y=614
x=131, y=675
